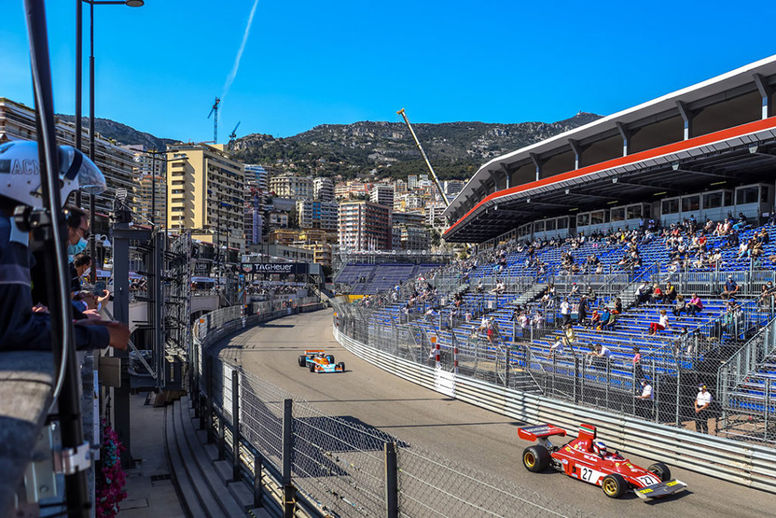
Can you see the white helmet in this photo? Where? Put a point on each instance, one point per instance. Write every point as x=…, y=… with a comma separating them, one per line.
x=600, y=448
x=20, y=173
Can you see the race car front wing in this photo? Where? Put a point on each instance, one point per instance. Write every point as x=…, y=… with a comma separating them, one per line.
x=660, y=489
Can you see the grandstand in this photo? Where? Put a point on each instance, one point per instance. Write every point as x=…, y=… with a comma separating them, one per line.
x=679, y=191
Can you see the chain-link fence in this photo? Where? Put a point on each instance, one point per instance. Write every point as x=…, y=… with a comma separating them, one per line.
x=661, y=386
x=323, y=465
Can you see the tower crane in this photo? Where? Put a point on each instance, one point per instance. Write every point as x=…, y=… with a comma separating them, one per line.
x=214, y=112
x=233, y=134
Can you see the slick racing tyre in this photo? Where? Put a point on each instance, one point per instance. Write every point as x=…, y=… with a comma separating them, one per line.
x=536, y=458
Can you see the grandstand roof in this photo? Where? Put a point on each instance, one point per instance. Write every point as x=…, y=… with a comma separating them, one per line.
x=482, y=211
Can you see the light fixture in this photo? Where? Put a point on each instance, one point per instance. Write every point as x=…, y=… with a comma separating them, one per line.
x=723, y=182
x=135, y=3
x=659, y=193
x=613, y=202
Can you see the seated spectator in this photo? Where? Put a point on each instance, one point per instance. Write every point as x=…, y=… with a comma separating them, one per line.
x=657, y=294
x=731, y=288
x=680, y=306
x=694, y=306
x=81, y=266
x=661, y=325
x=606, y=319
x=670, y=294
x=595, y=318
x=617, y=306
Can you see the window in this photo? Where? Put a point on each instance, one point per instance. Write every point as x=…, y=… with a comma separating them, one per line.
x=618, y=214
x=633, y=212
x=712, y=200
x=670, y=206
x=563, y=222
x=747, y=195
x=691, y=203
x=549, y=224
x=583, y=220
x=764, y=190
x=597, y=217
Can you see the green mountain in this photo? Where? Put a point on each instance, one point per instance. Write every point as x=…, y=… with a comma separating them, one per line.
x=383, y=149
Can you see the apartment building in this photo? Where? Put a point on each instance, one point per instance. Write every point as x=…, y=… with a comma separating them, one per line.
x=364, y=225
x=206, y=194
x=291, y=186
x=317, y=214
x=17, y=122
x=323, y=189
x=382, y=194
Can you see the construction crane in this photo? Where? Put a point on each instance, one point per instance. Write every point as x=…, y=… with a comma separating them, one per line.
x=428, y=164
x=233, y=134
x=214, y=112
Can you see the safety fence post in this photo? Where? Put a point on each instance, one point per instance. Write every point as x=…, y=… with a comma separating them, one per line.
x=506, y=366
x=678, y=386
x=221, y=438
x=235, y=425
x=289, y=491
x=455, y=353
x=258, y=486
x=207, y=415
x=767, y=407
x=576, y=378
x=391, y=481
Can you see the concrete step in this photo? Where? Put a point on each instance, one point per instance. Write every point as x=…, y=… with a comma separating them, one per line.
x=201, y=459
x=187, y=493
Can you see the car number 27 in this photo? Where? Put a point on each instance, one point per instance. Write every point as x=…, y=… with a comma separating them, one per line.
x=589, y=475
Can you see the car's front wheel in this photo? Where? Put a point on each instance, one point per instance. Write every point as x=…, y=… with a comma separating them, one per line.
x=302, y=360
x=342, y=366
x=661, y=470
x=536, y=458
x=614, y=485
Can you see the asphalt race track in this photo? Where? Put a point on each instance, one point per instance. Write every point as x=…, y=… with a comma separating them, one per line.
x=457, y=430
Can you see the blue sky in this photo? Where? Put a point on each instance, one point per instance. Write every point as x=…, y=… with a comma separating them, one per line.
x=308, y=63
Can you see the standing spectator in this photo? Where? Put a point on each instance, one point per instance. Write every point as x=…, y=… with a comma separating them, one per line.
x=661, y=324
x=556, y=348
x=571, y=338
x=731, y=288
x=638, y=371
x=646, y=400
x=565, y=311
x=599, y=356
x=80, y=266
x=702, y=402
x=582, y=310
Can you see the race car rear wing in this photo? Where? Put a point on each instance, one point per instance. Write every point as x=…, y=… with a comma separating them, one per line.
x=307, y=352
x=533, y=433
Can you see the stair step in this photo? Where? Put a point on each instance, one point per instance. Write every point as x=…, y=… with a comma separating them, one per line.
x=188, y=496
x=223, y=499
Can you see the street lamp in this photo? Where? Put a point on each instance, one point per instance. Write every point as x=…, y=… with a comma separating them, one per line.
x=79, y=31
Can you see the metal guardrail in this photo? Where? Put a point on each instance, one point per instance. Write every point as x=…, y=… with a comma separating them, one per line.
x=741, y=463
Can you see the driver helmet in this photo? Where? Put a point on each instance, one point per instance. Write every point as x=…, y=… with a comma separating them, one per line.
x=20, y=173
x=600, y=448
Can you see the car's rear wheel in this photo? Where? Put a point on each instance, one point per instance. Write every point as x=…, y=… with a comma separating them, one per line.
x=536, y=458
x=661, y=470
x=614, y=485
x=302, y=360
x=312, y=367
x=342, y=366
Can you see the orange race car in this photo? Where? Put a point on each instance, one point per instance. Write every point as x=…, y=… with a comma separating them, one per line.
x=318, y=361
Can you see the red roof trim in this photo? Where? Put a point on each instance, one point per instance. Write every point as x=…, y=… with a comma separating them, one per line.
x=736, y=131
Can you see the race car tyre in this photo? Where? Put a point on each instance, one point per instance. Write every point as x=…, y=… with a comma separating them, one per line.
x=661, y=470
x=312, y=367
x=341, y=365
x=614, y=485
x=536, y=458
x=330, y=358
x=302, y=360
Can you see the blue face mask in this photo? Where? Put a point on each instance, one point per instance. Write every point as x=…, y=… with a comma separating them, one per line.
x=74, y=250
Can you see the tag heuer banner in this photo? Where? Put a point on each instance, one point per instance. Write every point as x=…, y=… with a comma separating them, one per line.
x=276, y=268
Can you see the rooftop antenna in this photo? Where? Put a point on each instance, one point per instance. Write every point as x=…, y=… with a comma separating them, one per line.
x=214, y=110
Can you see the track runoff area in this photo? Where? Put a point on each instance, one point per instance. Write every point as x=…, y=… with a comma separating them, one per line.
x=467, y=434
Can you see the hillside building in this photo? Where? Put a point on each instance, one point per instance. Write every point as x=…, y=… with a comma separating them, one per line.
x=292, y=186
x=382, y=194
x=256, y=176
x=317, y=214
x=323, y=189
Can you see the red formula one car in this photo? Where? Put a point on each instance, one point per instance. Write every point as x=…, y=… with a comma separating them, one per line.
x=587, y=459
